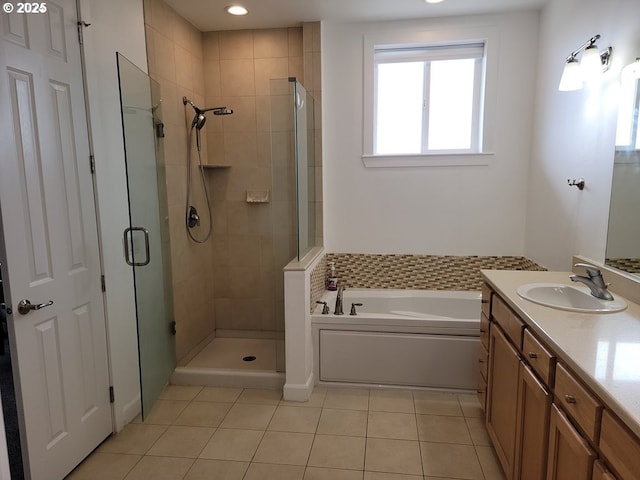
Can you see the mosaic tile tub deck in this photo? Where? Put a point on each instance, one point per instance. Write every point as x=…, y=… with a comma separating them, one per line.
x=411, y=272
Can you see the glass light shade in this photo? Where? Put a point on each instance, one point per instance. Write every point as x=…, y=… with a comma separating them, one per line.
x=591, y=62
x=236, y=10
x=571, y=76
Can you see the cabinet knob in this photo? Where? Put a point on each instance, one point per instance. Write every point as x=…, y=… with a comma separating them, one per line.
x=570, y=399
x=532, y=355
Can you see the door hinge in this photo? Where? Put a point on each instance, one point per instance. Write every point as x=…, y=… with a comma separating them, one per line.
x=103, y=283
x=172, y=327
x=112, y=396
x=92, y=163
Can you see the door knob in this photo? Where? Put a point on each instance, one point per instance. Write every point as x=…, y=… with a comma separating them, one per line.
x=25, y=306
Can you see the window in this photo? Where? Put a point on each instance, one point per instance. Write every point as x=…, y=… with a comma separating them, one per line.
x=427, y=99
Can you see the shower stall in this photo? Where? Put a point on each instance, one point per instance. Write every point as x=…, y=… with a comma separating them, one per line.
x=263, y=217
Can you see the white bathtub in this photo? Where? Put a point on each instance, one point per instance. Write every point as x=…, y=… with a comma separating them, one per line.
x=411, y=338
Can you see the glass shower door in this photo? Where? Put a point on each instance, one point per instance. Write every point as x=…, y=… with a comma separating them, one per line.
x=147, y=239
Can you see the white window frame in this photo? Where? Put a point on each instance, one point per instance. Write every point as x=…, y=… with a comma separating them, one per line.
x=481, y=154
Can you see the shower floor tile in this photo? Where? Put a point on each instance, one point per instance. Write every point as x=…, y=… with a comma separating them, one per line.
x=229, y=353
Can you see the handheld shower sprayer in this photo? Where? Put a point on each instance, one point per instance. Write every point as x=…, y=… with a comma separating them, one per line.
x=199, y=119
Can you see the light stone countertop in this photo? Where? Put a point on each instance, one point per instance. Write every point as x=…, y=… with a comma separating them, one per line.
x=603, y=349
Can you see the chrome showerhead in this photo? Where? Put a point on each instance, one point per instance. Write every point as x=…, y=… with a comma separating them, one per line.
x=200, y=117
x=222, y=111
x=199, y=120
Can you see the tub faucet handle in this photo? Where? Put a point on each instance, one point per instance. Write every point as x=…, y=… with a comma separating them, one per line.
x=325, y=308
x=353, y=308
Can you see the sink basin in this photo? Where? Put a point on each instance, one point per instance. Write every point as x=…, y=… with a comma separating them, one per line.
x=567, y=297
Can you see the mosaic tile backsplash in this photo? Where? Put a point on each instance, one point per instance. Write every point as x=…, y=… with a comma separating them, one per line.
x=630, y=265
x=411, y=272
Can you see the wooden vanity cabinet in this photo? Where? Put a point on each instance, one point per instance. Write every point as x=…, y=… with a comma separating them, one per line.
x=544, y=422
x=600, y=472
x=532, y=428
x=502, y=389
x=570, y=456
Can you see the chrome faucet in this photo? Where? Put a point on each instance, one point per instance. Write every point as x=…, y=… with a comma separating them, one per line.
x=338, y=309
x=593, y=280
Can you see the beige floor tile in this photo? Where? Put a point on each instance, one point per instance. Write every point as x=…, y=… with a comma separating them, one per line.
x=260, y=396
x=339, y=452
x=284, y=448
x=347, y=399
x=135, y=439
x=160, y=468
x=249, y=416
x=391, y=476
x=316, y=399
x=218, y=394
x=266, y=471
x=295, y=419
x=232, y=444
x=447, y=460
x=434, y=403
x=443, y=429
x=178, y=441
x=352, y=423
x=393, y=456
x=478, y=431
x=104, y=466
x=470, y=405
x=180, y=392
x=164, y=412
x=489, y=463
x=401, y=426
x=391, y=401
x=203, y=414
x=317, y=473
x=217, y=470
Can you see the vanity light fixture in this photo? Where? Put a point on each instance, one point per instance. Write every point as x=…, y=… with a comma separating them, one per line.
x=593, y=63
x=236, y=10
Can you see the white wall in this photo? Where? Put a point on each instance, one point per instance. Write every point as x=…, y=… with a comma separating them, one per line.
x=116, y=26
x=574, y=132
x=475, y=210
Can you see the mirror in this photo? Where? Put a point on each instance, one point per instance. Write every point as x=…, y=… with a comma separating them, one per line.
x=623, y=239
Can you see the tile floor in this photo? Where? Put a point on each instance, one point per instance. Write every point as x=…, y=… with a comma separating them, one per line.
x=197, y=433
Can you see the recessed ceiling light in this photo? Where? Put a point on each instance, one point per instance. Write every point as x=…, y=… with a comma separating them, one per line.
x=434, y=1
x=236, y=10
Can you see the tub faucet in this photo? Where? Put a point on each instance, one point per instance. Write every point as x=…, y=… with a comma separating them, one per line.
x=338, y=309
x=593, y=280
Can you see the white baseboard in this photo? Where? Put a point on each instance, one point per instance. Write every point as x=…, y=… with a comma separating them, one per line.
x=299, y=392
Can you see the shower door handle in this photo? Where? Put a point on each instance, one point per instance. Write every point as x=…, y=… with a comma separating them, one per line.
x=128, y=240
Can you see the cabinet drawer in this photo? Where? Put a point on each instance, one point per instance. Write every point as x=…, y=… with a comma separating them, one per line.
x=486, y=300
x=483, y=361
x=577, y=402
x=542, y=362
x=620, y=447
x=600, y=472
x=509, y=321
x=484, y=330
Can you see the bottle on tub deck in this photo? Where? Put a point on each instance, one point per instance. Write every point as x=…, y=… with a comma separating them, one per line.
x=332, y=280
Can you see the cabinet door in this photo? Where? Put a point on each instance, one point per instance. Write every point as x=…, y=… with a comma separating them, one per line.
x=570, y=456
x=532, y=429
x=502, y=391
x=601, y=473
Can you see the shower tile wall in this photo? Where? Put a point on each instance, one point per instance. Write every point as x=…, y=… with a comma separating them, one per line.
x=247, y=277
x=175, y=57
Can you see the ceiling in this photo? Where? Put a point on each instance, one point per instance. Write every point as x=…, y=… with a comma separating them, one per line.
x=209, y=15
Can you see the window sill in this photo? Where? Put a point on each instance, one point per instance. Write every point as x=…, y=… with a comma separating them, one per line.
x=429, y=160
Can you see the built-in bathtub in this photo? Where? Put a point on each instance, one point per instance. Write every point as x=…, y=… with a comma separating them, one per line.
x=410, y=338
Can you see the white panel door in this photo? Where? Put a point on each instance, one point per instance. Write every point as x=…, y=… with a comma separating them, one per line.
x=49, y=243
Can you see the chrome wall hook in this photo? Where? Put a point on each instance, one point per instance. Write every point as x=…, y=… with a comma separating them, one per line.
x=577, y=183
